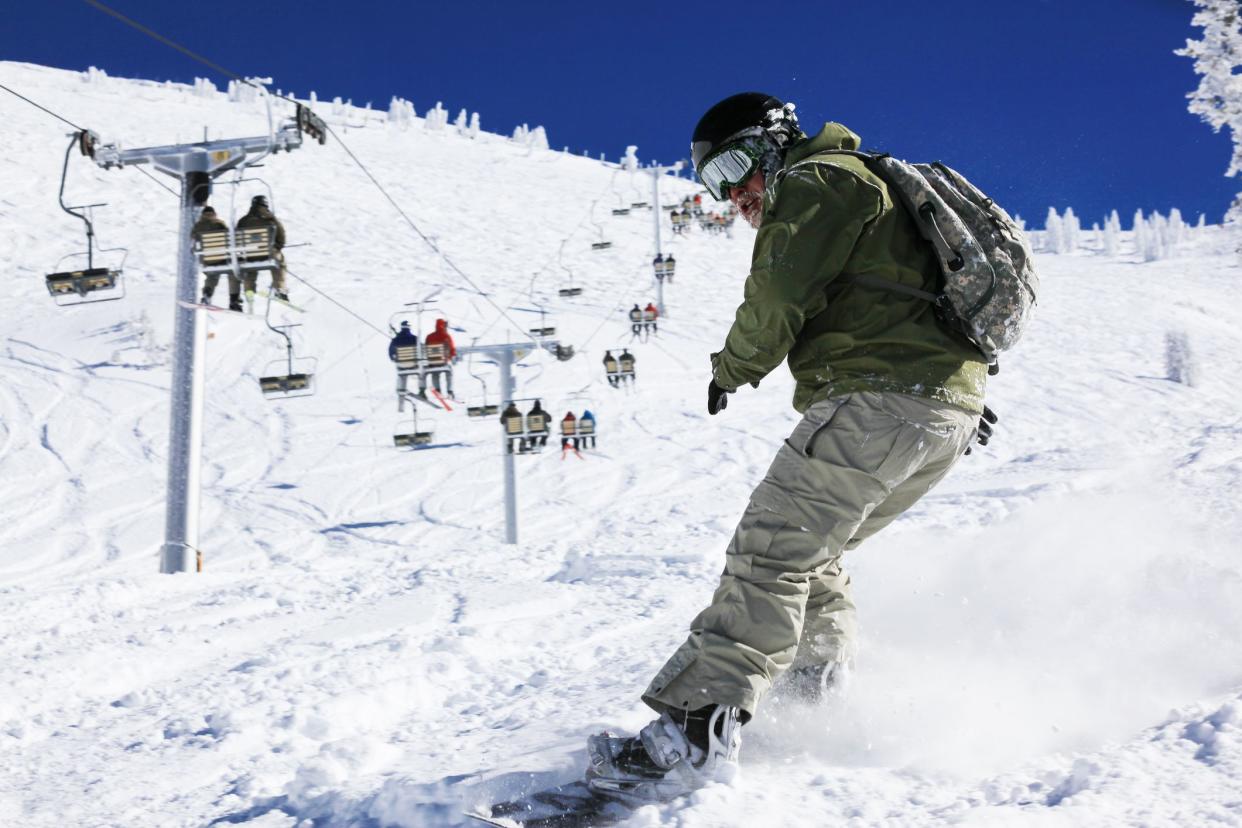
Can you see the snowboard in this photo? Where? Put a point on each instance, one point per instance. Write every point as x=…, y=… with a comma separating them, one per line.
x=572, y=805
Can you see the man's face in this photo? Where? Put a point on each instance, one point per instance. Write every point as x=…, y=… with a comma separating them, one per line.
x=748, y=199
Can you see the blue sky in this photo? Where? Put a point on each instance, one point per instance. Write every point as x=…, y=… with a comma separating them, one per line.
x=1042, y=102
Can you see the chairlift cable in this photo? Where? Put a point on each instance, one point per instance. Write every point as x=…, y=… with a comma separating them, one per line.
x=335, y=302
x=80, y=129
x=40, y=106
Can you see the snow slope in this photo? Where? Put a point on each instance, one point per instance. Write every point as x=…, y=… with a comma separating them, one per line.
x=1050, y=638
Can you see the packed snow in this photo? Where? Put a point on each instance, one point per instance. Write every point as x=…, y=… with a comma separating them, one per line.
x=1050, y=638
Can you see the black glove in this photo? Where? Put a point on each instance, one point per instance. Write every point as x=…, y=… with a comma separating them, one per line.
x=717, y=398
x=984, y=432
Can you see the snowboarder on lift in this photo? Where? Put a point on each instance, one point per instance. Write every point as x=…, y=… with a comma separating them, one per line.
x=261, y=216
x=670, y=267
x=871, y=442
x=658, y=265
x=209, y=222
x=537, y=425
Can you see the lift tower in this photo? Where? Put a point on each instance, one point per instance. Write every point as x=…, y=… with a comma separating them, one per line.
x=658, y=212
x=195, y=166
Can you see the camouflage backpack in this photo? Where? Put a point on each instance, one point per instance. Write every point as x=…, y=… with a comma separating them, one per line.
x=989, y=280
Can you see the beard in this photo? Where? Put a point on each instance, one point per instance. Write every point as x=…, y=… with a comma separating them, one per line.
x=750, y=205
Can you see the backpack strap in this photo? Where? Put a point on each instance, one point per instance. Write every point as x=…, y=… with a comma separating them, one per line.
x=868, y=280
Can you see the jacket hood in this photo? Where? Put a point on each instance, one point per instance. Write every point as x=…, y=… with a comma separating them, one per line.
x=441, y=326
x=833, y=136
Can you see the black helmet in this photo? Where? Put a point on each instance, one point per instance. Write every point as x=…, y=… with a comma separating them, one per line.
x=258, y=201
x=765, y=117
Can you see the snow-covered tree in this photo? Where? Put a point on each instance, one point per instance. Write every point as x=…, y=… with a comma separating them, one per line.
x=1071, y=231
x=1017, y=219
x=436, y=119
x=459, y=123
x=400, y=112
x=630, y=161
x=1111, y=237
x=473, y=130
x=1054, y=239
x=204, y=88
x=1218, y=58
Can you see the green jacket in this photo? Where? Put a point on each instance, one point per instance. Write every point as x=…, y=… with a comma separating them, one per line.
x=824, y=215
x=260, y=217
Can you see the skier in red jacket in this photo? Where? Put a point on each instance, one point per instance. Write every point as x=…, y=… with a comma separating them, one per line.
x=440, y=336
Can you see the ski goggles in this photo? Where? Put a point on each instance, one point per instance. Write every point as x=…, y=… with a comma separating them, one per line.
x=730, y=166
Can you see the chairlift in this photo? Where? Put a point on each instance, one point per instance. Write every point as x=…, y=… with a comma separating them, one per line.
x=601, y=245
x=570, y=289
x=578, y=431
x=89, y=284
x=620, y=211
x=412, y=434
x=639, y=205
x=619, y=368
x=291, y=376
x=415, y=358
x=525, y=434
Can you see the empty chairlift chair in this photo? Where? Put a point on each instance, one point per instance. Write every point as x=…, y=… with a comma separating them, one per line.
x=291, y=376
x=92, y=283
x=411, y=434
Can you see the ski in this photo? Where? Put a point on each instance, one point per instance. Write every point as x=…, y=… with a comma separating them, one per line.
x=284, y=302
x=216, y=309
x=443, y=402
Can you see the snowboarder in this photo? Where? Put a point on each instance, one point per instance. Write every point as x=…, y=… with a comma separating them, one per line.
x=670, y=268
x=658, y=265
x=440, y=336
x=209, y=222
x=890, y=400
x=261, y=215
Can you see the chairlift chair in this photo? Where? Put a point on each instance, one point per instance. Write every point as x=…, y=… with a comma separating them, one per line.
x=89, y=284
x=291, y=376
x=601, y=245
x=620, y=211
x=543, y=332
x=412, y=434
x=639, y=205
x=569, y=291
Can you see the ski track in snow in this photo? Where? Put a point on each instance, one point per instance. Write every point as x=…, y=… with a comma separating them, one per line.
x=1049, y=638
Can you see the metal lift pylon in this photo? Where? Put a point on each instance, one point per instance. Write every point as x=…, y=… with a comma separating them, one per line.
x=195, y=166
x=656, y=215
x=504, y=356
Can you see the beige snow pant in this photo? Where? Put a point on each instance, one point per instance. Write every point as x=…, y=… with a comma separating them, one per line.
x=849, y=468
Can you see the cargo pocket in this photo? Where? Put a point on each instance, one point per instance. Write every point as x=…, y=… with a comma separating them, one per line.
x=817, y=418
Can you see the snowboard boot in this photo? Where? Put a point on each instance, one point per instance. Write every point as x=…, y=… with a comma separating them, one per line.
x=235, y=303
x=674, y=755
x=281, y=295
x=205, y=299
x=816, y=683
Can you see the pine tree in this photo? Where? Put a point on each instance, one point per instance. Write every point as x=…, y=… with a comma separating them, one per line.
x=1218, y=100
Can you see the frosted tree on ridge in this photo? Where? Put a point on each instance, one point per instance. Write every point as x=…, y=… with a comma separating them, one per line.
x=1218, y=100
